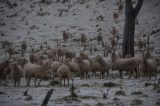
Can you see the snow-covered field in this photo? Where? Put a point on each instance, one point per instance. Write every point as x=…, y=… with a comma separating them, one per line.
x=44, y=22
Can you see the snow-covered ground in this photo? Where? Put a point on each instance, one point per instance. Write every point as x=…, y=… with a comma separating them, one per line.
x=44, y=22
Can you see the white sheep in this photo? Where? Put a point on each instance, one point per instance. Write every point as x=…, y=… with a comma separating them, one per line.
x=148, y=66
x=70, y=54
x=16, y=73
x=74, y=67
x=64, y=73
x=35, y=71
x=94, y=67
x=54, y=67
x=103, y=66
x=61, y=52
x=85, y=67
x=126, y=64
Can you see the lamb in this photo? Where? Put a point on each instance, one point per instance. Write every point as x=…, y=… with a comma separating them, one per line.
x=65, y=36
x=126, y=64
x=114, y=42
x=54, y=67
x=103, y=66
x=120, y=7
x=85, y=67
x=22, y=61
x=141, y=44
x=3, y=65
x=23, y=47
x=35, y=71
x=94, y=67
x=84, y=55
x=115, y=32
x=11, y=51
x=16, y=73
x=34, y=58
x=74, y=67
x=99, y=38
x=64, y=73
x=115, y=16
x=52, y=53
x=148, y=66
x=61, y=52
x=83, y=39
x=70, y=54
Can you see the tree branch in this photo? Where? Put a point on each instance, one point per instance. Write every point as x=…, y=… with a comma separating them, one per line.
x=129, y=4
x=138, y=7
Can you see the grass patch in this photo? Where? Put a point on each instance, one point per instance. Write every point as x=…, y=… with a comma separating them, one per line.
x=110, y=84
x=147, y=84
x=136, y=93
x=157, y=103
x=101, y=104
x=53, y=83
x=120, y=92
x=136, y=102
x=85, y=85
x=88, y=97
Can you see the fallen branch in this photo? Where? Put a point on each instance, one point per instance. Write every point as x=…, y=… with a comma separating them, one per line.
x=47, y=97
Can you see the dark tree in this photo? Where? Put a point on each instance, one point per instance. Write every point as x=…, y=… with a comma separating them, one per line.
x=129, y=30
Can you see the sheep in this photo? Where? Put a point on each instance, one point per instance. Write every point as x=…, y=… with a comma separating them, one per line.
x=52, y=53
x=34, y=58
x=99, y=38
x=35, y=71
x=65, y=36
x=63, y=73
x=3, y=65
x=120, y=8
x=126, y=64
x=115, y=16
x=148, y=66
x=114, y=42
x=85, y=67
x=22, y=61
x=11, y=51
x=16, y=73
x=83, y=39
x=94, y=67
x=70, y=54
x=141, y=43
x=23, y=47
x=115, y=32
x=74, y=67
x=54, y=66
x=84, y=55
x=61, y=52
x=103, y=66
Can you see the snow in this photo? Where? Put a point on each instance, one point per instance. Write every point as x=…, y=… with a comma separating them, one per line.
x=76, y=18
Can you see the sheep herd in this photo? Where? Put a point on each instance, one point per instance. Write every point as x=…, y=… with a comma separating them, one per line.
x=63, y=64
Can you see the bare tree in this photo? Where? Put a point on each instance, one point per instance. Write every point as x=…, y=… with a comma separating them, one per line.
x=129, y=30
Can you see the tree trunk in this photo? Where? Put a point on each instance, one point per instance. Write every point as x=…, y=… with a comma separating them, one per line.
x=129, y=30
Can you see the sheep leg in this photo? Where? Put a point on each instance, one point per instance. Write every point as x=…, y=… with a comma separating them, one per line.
x=14, y=82
x=64, y=81
x=121, y=72
x=61, y=81
x=68, y=81
x=131, y=72
x=35, y=82
x=39, y=82
x=107, y=73
x=19, y=82
x=28, y=81
x=136, y=73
